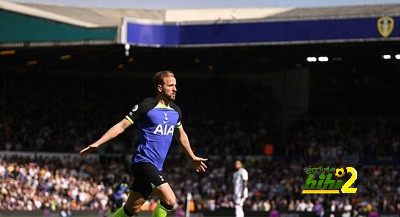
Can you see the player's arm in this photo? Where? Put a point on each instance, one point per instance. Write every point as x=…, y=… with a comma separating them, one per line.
x=111, y=133
x=245, y=177
x=182, y=138
x=245, y=182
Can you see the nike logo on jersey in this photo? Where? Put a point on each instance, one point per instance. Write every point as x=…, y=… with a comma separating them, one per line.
x=165, y=118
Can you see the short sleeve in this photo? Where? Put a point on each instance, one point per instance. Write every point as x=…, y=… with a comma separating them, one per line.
x=177, y=109
x=245, y=175
x=140, y=109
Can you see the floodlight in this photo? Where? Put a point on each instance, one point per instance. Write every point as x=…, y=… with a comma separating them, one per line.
x=323, y=59
x=311, y=59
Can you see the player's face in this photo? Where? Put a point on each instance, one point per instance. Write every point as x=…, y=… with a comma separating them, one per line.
x=238, y=165
x=168, y=89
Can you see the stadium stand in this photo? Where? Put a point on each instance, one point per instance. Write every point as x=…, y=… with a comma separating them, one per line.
x=233, y=129
x=70, y=184
x=41, y=128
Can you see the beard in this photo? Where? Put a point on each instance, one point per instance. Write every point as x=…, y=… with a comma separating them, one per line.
x=169, y=97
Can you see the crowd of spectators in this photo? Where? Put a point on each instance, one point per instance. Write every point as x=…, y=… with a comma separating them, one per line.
x=65, y=113
x=69, y=183
x=47, y=113
x=349, y=139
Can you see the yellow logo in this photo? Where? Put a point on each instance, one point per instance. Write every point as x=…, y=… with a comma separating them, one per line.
x=325, y=184
x=385, y=26
x=339, y=173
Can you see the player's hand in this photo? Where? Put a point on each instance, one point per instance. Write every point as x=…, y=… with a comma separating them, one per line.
x=198, y=164
x=88, y=149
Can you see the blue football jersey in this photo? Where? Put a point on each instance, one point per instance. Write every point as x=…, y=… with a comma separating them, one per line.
x=157, y=123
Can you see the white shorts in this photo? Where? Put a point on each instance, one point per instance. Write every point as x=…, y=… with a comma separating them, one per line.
x=239, y=200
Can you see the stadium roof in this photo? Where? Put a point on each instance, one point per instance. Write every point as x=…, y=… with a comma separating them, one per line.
x=341, y=12
x=106, y=17
x=112, y=17
x=29, y=24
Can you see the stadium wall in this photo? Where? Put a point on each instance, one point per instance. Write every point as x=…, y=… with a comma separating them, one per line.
x=297, y=31
x=18, y=28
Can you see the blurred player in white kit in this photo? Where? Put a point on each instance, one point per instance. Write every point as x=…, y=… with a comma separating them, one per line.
x=240, y=191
